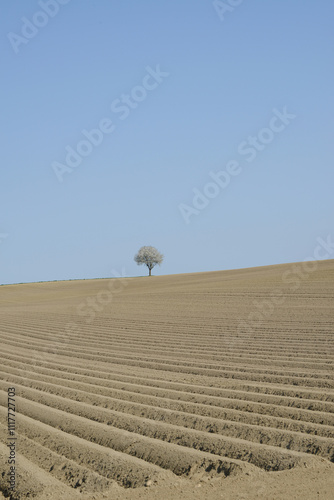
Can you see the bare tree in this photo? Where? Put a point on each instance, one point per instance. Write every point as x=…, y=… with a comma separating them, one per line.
x=149, y=256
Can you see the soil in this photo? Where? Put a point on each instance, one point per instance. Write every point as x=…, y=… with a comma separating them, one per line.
x=196, y=386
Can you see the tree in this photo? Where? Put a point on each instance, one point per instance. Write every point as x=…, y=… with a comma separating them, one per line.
x=148, y=256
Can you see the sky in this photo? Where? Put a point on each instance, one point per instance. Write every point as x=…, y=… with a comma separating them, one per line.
x=202, y=128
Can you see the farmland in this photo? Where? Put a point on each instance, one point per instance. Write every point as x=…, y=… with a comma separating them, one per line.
x=207, y=385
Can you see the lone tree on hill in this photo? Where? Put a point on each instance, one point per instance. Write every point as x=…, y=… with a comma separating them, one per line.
x=149, y=256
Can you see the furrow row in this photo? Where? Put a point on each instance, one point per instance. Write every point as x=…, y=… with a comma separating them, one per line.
x=201, y=351
x=311, y=422
x=124, y=411
x=110, y=434
x=192, y=368
x=60, y=467
x=177, y=353
x=315, y=399
x=126, y=457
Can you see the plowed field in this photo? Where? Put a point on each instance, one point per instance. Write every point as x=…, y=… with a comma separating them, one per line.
x=208, y=385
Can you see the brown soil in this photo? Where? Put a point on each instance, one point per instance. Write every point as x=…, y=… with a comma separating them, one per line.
x=173, y=387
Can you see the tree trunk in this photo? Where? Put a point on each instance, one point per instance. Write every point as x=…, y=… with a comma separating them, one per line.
x=149, y=271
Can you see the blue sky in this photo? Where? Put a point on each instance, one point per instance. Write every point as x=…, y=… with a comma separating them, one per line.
x=196, y=87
